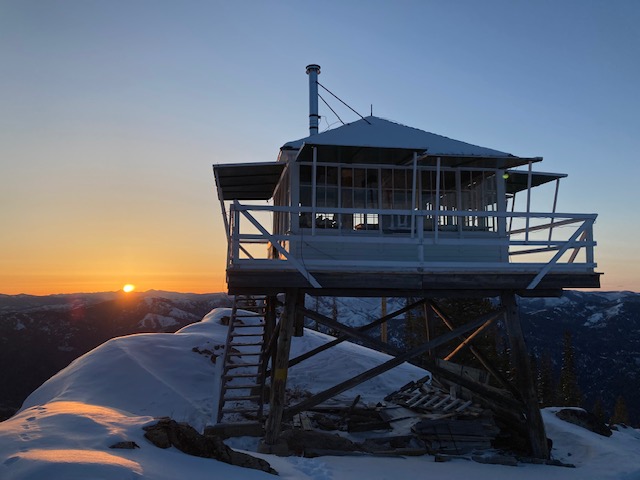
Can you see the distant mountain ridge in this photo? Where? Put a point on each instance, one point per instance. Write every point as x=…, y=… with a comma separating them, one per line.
x=605, y=329
x=41, y=335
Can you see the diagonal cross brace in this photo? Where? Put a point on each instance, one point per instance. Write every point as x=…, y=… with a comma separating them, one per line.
x=388, y=365
x=568, y=244
x=305, y=273
x=344, y=337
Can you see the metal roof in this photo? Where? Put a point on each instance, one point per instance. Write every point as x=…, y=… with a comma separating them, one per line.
x=247, y=181
x=376, y=140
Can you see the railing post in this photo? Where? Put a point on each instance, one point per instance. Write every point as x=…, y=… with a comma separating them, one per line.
x=235, y=234
x=589, y=240
x=420, y=238
x=414, y=183
x=314, y=189
x=436, y=218
x=526, y=233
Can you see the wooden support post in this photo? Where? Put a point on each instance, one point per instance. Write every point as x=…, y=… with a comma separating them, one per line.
x=279, y=382
x=429, y=317
x=269, y=332
x=383, y=327
x=298, y=329
x=524, y=380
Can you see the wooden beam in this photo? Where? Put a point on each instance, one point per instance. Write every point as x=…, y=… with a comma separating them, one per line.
x=279, y=382
x=520, y=358
x=364, y=328
x=298, y=328
x=467, y=340
x=490, y=396
x=476, y=353
x=271, y=330
x=352, y=332
x=388, y=365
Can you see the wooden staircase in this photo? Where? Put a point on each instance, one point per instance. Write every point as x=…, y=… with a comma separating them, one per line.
x=243, y=377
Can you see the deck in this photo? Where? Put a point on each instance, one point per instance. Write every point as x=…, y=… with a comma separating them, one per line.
x=536, y=254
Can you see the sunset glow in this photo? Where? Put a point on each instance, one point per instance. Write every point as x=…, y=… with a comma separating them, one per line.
x=128, y=288
x=106, y=167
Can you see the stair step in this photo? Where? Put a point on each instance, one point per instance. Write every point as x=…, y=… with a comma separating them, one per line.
x=246, y=329
x=239, y=410
x=242, y=398
x=241, y=375
x=246, y=344
x=247, y=386
x=238, y=365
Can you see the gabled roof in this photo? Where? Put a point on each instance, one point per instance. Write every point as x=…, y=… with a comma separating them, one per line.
x=393, y=142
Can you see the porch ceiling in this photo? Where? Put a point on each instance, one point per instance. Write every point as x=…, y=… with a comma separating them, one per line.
x=518, y=179
x=247, y=181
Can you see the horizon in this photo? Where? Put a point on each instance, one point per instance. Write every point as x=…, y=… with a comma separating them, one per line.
x=114, y=112
x=225, y=292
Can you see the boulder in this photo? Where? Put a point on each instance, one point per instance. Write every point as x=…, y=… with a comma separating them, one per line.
x=584, y=419
x=184, y=437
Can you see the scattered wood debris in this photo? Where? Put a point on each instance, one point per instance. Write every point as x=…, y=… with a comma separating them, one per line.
x=456, y=436
x=447, y=423
x=433, y=401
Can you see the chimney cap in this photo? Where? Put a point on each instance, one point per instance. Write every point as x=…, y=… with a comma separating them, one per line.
x=313, y=66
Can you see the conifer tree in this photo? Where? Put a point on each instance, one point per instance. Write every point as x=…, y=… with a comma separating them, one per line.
x=569, y=391
x=620, y=412
x=598, y=410
x=546, y=381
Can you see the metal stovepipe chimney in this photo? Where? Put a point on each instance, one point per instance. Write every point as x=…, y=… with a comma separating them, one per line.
x=314, y=119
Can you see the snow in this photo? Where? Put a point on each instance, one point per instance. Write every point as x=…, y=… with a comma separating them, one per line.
x=65, y=428
x=599, y=319
x=551, y=302
x=158, y=321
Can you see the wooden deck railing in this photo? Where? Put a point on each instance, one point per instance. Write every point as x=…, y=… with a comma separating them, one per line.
x=535, y=242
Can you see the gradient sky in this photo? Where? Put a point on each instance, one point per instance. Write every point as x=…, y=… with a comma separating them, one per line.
x=112, y=112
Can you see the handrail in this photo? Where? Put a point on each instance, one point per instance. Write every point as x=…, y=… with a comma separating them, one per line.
x=572, y=231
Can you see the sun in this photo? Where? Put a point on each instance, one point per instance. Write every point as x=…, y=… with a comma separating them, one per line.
x=128, y=288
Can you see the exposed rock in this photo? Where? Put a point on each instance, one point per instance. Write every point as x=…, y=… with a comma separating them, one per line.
x=185, y=438
x=584, y=419
x=127, y=445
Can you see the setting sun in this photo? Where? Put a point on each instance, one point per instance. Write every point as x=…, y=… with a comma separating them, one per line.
x=128, y=288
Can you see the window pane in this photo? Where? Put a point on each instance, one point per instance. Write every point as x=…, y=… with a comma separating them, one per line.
x=305, y=173
x=347, y=177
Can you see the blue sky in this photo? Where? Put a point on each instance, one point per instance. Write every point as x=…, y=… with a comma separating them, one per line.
x=114, y=111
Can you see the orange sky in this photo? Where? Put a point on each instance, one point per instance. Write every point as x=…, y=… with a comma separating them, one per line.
x=114, y=112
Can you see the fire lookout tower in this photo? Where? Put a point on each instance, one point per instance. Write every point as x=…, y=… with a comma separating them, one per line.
x=374, y=208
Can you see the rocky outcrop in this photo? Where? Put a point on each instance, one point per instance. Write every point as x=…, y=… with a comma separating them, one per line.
x=184, y=437
x=584, y=419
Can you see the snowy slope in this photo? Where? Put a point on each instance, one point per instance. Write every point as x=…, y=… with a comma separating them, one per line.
x=65, y=427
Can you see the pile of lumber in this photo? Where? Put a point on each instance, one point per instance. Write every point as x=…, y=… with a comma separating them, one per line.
x=433, y=401
x=449, y=424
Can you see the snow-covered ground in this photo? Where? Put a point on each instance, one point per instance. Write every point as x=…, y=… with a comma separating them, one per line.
x=65, y=428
